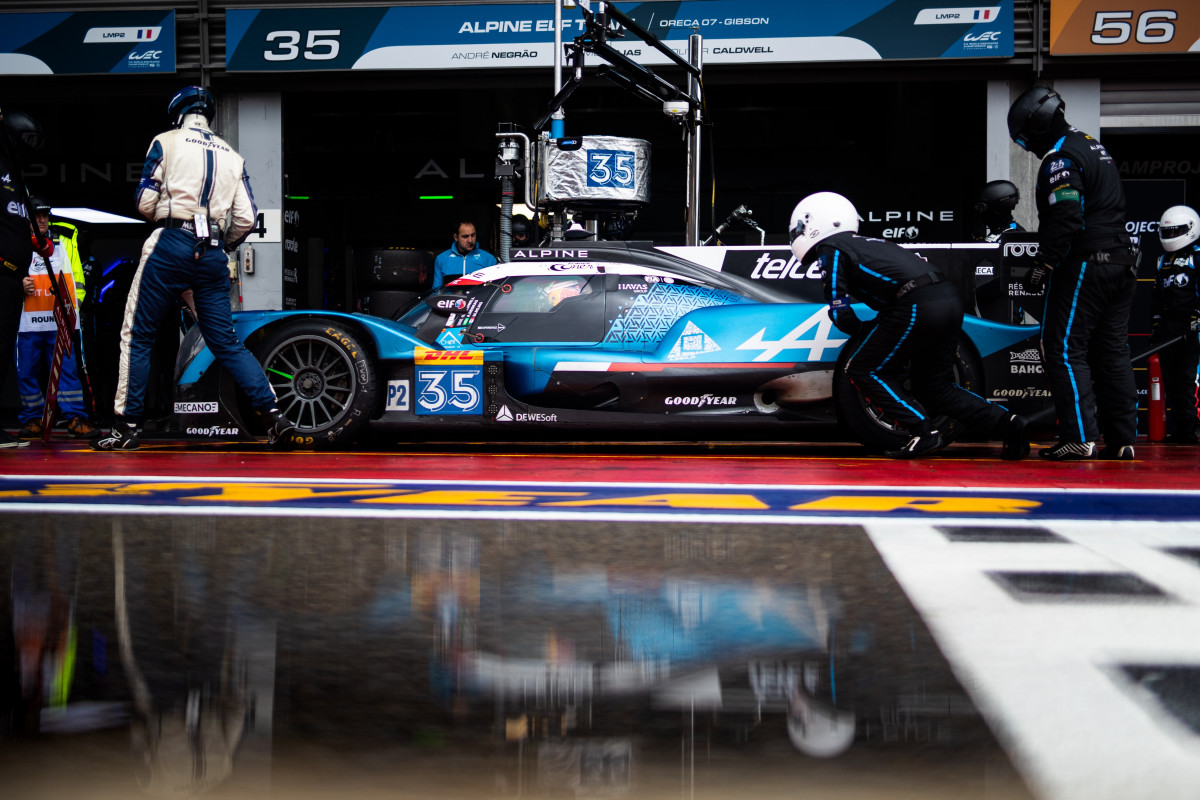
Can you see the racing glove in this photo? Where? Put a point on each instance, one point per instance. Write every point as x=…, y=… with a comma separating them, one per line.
x=42, y=245
x=844, y=318
x=1035, y=280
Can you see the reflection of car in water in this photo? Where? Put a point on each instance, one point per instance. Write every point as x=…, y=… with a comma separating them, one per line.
x=563, y=342
x=569, y=646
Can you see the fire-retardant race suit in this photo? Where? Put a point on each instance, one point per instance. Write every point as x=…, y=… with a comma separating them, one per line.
x=195, y=186
x=1176, y=311
x=1089, y=267
x=919, y=319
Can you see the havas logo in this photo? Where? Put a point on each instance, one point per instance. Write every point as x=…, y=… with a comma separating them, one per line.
x=774, y=269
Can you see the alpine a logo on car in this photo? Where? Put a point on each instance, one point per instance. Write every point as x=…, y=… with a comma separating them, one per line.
x=956, y=16
x=209, y=407
x=820, y=340
x=213, y=431
x=702, y=401
x=505, y=414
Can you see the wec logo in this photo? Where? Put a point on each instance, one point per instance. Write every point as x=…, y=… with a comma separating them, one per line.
x=987, y=36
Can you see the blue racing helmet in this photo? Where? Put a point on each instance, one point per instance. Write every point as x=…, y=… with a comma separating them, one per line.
x=191, y=100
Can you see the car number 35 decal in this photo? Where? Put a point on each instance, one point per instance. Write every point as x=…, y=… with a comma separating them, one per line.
x=451, y=390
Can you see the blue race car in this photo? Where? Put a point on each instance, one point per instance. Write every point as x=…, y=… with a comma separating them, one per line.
x=604, y=340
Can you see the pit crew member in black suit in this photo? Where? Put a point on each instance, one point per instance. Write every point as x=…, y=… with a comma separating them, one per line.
x=919, y=316
x=1088, y=266
x=1177, y=313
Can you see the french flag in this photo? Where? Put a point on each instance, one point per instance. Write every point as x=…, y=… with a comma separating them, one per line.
x=147, y=34
x=983, y=13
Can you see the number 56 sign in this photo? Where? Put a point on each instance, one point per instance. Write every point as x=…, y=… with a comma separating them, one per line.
x=1113, y=27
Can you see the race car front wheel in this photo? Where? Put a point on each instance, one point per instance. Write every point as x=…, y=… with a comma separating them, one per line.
x=324, y=378
x=867, y=421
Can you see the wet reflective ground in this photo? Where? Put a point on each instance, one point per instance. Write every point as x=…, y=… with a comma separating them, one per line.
x=257, y=657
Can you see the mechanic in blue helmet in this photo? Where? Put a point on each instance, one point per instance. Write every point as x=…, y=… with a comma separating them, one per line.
x=194, y=186
x=463, y=257
x=1088, y=266
x=919, y=316
x=1176, y=305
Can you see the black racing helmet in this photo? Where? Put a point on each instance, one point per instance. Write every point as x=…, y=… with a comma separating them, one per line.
x=997, y=200
x=522, y=230
x=40, y=204
x=23, y=131
x=191, y=100
x=1034, y=116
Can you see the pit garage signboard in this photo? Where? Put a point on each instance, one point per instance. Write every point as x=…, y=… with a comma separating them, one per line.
x=87, y=43
x=522, y=35
x=1115, y=27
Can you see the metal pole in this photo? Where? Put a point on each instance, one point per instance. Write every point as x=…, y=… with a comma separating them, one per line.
x=557, y=124
x=695, y=54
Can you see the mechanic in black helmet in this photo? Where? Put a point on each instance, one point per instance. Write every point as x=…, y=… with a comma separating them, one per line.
x=994, y=210
x=918, y=323
x=522, y=232
x=20, y=137
x=1088, y=266
x=195, y=187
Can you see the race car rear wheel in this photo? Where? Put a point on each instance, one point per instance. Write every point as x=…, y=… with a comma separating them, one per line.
x=871, y=426
x=324, y=378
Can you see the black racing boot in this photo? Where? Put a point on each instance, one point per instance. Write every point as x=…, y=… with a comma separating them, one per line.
x=1071, y=451
x=1016, y=440
x=123, y=436
x=919, y=445
x=1117, y=452
x=279, y=433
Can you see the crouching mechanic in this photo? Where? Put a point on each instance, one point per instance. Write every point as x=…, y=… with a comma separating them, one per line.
x=918, y=321
x=194, y=185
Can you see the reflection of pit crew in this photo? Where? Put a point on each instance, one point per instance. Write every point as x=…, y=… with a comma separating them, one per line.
x=195, y=186
x=1088, y=265
x=919, y=319
x=1176, y=311
x=994, y=211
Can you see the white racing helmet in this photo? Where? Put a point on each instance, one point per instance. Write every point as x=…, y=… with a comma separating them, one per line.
x=817, y=217
x=1179, y=227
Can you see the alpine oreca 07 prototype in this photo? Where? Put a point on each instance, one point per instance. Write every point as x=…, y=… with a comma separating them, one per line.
x=609, y=339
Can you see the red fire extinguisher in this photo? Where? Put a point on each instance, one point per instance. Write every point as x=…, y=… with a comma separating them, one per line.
x=1156, y=409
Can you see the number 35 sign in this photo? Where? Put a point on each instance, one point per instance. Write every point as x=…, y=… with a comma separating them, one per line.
x=1113, y=27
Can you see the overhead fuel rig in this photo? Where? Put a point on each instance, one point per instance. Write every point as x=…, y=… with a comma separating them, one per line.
x=600, y=181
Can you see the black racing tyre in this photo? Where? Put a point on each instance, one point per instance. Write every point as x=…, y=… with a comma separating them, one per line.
x=868, y=423
x=325, y=379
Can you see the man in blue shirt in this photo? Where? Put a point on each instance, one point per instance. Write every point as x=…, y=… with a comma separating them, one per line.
x=463, y=257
